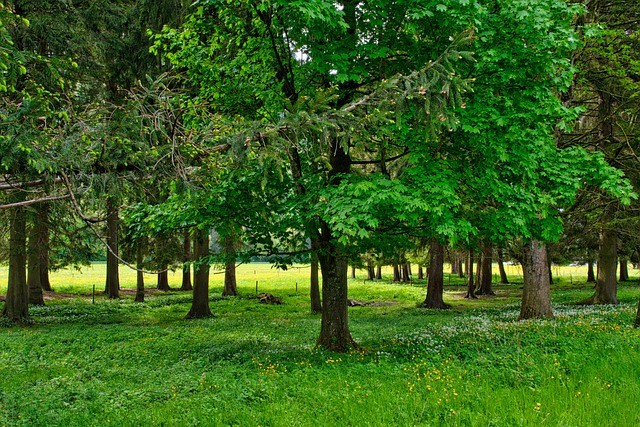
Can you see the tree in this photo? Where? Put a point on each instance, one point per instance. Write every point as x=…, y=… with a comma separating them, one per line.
x=200, y=303
x=536, y=293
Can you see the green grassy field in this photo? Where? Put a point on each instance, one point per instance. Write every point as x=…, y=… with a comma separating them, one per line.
x=122, y=363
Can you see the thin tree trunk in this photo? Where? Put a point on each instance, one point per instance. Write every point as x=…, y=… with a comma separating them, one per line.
x=503, y=274
x=229, y=247
x=113, y=280
x=396, y=273
x=16, y=307
x=33, y=262
x=637, y=322
x=471, y=286
x=485, y=286
x=371, y=272
x=186, y=267
x=536, y=293
x=606, y=284
x=139, y=274
x=550, y=274
x=624, y=270
x=316, y=302
x=420, y=272
x=435, y=286
x=200, y=302
x=460, y=269
x=353, y=272
x=406, y=272
x=591, y=278
x=454, y=264
x=379, y=272
x=43, y=223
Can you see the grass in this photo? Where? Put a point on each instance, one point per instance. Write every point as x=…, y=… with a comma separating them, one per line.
x=128, y=364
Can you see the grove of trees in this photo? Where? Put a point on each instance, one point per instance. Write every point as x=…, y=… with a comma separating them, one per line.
x=165, y=135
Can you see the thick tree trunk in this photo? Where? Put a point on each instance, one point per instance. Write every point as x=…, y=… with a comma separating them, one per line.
x=229, y=247
x=435, y=286
x=379, y=272
x=200, y=302
x=485, y=275
x=471, y=286
x=536, y=293
x=139, y=274
x=503, y=274
x=33, y=261
x=186, y=267
x=406, y=272
x=606, y=284
x=624, y=270
x=113, y=279
x=16, y=307
x=371, y=271
x=334, y=330
x=591, y=278
x=163, y=279
x=43, y=224
x=397, y=277
x=316, y=302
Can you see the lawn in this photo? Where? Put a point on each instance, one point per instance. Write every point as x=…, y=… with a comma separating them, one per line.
x=122, y=363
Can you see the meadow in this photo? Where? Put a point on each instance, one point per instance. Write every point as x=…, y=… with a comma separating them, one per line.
x=121, y=363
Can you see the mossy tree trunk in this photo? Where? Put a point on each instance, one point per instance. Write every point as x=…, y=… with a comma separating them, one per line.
x=536, y=293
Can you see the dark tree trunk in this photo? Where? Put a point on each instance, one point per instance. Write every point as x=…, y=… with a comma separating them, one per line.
x=396, y=273
x=536, y=293
x=435, y=286
x=186, y=267
x=379, y=272
x=455, y=267
x=229, y=247
x=113, y=280
x=406, y=272
x=460, y=269
x=624, y=270
x=420, y=272
x=33, y=261
x=353, y=272
x=16, y=307
x=43, y=223
x=637, y=322
x=139, y=274
x=471, y=286
x=371, y=271
x=200, y=302
x=316, y=302
x=163, y=279
x=606, y=285
x=550, y=274
x=503, y=274
x=591, y=278
x=484, y=272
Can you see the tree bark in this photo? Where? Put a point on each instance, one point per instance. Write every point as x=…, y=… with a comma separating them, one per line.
x=316, y=302
x=379, y=272
x=606, y=285
x=503, y=274
x=471, y=286
x=113, y=280
x=406, y=272
x=590, y=276
x=460, y=269
x=485, y=276
x=396, y=273
x=420, y=272
x=139, y=274
x=536, y=293
x=163, y=279
x=16, y=307
x=229, y=248
x=33, y=260
x=186, y=267
x=353, y=272
x=624, y=270
x=44, y=224
x=371, y=272
x=637, y=322
x=435, y=285
x=200, y=301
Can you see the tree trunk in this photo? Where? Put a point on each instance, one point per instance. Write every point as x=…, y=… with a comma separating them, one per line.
x=637, y=322
x=33, y=261
x=484, y=272
x=353, y=272
x=186, y=267
x=455, y=267
x=420, y=272
x=334, y=330
x=316, y=302
x=139, y=274
x=16, y=307
x=229, y=248
x=503, y=274
x=163, y=279
x=406, y=272
x=113, y=280
x=624, y=270
x=435, y=286
x=200, y=302
x=43, y=223
x=396, y=273
x=460, y=269
x=591, y=278
x=536, y=293
x=379, y=272
x=371, y=272
x=471, y=286
x=606, y=285
x=550, y=274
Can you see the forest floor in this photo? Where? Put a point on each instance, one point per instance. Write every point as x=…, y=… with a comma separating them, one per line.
x=122, y=363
